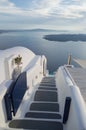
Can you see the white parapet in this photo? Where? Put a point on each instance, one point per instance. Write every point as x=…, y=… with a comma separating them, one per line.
x=68, y=88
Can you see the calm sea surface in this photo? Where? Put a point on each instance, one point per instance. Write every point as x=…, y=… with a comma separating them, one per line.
x=56, y=52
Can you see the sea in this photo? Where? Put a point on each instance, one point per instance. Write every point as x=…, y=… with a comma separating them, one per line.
x=55, y=52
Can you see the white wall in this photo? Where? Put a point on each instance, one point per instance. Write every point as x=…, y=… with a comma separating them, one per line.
x=30, y=62
x=29, y=59
x=2, y=70
x=63, y=88
x=3, y=88
x=6, y=61
x=35, y=72
x=77, y=114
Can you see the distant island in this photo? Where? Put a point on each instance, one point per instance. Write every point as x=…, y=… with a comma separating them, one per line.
x=26, y=30
x=66, y=37
x=30, y=30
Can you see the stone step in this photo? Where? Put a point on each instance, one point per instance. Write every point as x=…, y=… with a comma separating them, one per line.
x=45, y=115
x=36, y=124
x=47, y=88
x=49, y=85
x=48, y=96
x=47, y=77
x=45, y=106
x=48, y=82
x=44, y=79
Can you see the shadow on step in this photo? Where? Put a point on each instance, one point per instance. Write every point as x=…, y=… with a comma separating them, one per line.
x=47, y=88
x=45, y=106
x=36, y=124
x=43, y=115
x=50, y=96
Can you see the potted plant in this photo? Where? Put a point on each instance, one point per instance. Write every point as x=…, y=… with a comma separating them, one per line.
x=17, y=69
x=18, y=60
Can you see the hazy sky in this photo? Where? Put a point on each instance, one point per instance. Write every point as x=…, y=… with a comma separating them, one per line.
x=51, y=14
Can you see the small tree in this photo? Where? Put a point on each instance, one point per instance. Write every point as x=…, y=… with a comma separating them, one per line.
x=18, y=60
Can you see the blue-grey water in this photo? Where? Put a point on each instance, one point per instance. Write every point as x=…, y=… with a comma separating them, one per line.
x=56, y=52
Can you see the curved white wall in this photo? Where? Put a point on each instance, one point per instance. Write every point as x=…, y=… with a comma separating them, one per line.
x=6, y=60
